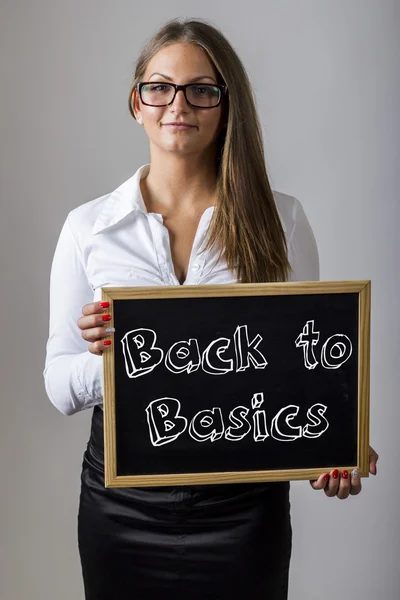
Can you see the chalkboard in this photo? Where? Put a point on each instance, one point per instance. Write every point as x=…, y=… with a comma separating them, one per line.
x=230, y=383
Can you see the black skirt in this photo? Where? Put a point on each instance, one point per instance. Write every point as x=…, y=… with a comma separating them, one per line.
x=196, y=542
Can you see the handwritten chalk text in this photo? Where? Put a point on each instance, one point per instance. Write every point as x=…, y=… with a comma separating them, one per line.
x=166, y=423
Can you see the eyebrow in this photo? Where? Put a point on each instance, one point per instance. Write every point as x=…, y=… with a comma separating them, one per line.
x=190, y=81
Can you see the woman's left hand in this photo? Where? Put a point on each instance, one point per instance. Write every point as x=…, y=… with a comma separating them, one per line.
x=344, y=484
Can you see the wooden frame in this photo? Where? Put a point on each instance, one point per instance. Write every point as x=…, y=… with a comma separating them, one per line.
x=363, y=288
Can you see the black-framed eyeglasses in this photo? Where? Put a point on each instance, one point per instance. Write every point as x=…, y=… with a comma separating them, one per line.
x=198, y=95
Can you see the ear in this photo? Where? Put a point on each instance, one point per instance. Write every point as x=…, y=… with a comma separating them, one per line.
x=135, y=101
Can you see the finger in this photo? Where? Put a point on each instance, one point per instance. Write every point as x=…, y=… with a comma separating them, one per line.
x=95, y=307
x=97, y=333
x=99, y=346
x=333, y=485
x=355, y=488
x=321, y=482
x=344, y=485
x=93, y=320
x=373, y=459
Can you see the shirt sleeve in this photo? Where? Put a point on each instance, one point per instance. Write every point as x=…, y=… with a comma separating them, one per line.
x=302, y=248
x=73, y=376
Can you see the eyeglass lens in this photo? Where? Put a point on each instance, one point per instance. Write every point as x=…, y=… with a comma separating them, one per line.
x=158, y=94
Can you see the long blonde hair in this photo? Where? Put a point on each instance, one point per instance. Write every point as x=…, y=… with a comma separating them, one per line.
x=245, y=227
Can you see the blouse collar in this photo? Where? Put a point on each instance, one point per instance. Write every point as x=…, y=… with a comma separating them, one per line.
x=122, y=201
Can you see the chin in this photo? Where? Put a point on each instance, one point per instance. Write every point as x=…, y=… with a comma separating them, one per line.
x=180, y=147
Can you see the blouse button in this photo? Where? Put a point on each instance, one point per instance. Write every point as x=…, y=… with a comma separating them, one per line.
x=196, y=267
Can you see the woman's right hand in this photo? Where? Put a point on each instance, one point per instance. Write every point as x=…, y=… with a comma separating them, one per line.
x=95, y=327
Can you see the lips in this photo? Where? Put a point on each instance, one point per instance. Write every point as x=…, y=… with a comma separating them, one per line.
x=178, y=124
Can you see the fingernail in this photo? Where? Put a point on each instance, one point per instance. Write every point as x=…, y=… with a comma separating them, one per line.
x=335, y=474
x=355, y=473
x=107, y=343
x=110, y=330
x=326, y=477
x=104, y=304
x=106, y=317
x=345, y=474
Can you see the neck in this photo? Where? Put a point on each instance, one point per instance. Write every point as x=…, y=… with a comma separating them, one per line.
x=179, y=183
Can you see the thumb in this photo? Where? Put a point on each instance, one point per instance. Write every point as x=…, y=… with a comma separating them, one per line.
x=320, y=483
x=373, y=459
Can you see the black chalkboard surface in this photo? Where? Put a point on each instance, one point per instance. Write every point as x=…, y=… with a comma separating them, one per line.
x=229, y=383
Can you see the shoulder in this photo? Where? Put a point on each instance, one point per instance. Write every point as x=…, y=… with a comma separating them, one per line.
x=105, y=211
x=302, y=245
x=82, y=218
x=288, y=208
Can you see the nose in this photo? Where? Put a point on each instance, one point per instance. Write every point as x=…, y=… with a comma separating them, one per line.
x=180, y=102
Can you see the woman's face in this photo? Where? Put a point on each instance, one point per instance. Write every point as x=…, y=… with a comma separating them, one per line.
x=180, y=63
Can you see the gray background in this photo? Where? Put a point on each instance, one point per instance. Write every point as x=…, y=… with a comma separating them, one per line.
x=326, y=75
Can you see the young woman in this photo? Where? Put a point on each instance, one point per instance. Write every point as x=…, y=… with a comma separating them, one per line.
x=206, y=182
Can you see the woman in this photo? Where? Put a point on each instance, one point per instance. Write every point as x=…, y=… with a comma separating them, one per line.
x=206, y=182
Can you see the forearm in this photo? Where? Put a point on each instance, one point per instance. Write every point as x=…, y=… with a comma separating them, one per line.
x=74, y=382
x=72, y=375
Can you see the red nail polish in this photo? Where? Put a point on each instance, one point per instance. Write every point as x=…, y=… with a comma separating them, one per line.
x=107, y=343
x=106, y=317
x=345, y=474
x=335, y=474
x=104, y=304
x=326, y=477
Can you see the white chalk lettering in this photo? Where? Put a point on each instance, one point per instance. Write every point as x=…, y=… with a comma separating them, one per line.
x=257, y=400
x=336, y=351
x=247, y=351
x=207, y=425
x=212, y=362
x=241, y=425
x=140, y=352
x=142, y=355
x=319, y=422
x=164, y=421
x=286, y=414
x=260, y=432
x=307, y=339
x=183, y=356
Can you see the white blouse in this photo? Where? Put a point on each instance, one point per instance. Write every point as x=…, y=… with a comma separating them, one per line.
x=114, y=241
